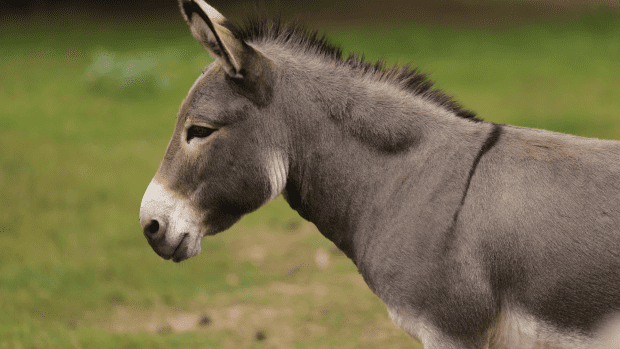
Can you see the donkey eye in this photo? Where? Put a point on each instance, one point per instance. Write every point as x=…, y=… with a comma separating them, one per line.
x=199, y=132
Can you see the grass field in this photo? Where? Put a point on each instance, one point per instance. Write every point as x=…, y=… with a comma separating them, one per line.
x=86, y=111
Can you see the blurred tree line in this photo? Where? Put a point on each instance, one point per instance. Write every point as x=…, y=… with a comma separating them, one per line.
x=31, y=5
x=100, y=6
x=477, y=13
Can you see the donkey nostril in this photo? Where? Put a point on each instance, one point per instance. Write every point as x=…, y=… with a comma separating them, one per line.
x=152, y=228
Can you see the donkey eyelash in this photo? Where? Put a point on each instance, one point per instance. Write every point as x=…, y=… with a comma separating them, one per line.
x=195, y=131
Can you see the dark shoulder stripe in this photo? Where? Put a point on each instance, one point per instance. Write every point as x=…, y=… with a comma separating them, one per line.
x=488, y=144
x=491, y=140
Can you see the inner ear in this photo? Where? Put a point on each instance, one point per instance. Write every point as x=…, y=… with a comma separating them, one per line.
x=208, y=27
x=248, y=70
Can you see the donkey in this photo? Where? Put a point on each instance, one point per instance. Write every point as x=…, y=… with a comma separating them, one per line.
x=474, y=234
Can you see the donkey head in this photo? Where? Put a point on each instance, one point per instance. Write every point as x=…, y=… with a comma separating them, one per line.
x=224, y=159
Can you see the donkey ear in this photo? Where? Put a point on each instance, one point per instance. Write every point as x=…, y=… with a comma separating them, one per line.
x=207, y=26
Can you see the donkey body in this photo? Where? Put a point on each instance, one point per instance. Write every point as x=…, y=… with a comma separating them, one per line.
x=475, y=235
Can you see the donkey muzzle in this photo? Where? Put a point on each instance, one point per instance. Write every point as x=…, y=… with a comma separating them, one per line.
x=170, y=225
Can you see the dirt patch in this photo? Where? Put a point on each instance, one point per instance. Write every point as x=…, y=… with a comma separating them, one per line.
x=241, y=324
x=243, y=319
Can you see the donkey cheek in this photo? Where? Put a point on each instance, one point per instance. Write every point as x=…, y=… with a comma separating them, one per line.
x=227, y=202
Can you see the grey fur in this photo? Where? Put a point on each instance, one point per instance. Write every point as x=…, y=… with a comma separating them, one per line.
x=475, y=235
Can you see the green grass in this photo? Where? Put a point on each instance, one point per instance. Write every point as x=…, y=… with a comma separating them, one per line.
x=86, y=111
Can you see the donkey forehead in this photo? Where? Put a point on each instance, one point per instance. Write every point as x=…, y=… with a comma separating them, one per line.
x=213, y=98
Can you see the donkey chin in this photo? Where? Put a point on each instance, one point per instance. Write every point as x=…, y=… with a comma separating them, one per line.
x=171, y=225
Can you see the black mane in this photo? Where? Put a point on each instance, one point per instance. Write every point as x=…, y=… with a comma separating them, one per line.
x=260, y=28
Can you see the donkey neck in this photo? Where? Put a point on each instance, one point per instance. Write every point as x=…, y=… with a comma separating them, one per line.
x=364, y=153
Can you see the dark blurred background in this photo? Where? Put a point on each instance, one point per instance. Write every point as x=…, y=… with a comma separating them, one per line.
x=475, y=12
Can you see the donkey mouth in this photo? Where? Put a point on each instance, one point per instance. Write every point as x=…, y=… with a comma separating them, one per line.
x=180, y=251
x=185, y=249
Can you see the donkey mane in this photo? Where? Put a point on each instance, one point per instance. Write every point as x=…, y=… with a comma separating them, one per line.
x=259, y=27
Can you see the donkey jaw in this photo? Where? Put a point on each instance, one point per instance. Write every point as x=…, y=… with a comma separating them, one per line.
x=170, y=224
